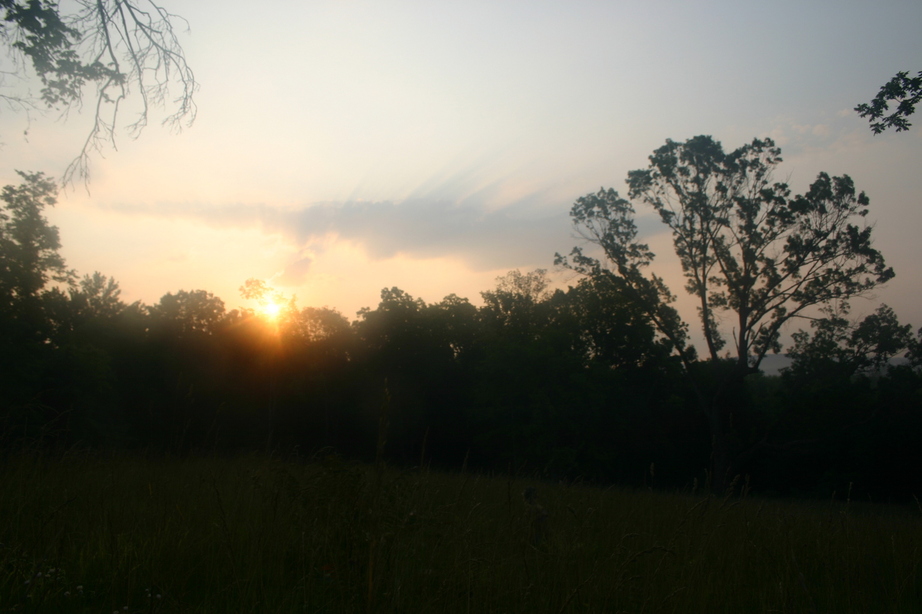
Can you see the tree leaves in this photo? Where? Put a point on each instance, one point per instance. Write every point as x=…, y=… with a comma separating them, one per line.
x=903, y=89
x=29, y=257
x=747, y=248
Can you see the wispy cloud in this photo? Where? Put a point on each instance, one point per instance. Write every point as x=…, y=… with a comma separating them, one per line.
x=516, y=235
x=296, y=271
x=830, y=133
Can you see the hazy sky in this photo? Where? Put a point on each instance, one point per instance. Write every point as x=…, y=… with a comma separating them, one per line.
x=342, y=147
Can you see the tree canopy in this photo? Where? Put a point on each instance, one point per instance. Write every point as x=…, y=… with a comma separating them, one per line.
x=748, y=249
x=29, y=245
x=752, y=255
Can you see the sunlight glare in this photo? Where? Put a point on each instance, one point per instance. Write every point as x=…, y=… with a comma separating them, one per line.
x=271, y=310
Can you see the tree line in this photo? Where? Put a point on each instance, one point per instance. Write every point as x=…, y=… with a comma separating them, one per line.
x=583, y=383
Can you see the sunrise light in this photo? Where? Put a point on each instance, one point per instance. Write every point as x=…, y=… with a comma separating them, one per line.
x=271, y=310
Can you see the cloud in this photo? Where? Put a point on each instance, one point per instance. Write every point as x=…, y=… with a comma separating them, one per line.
x=429, y=229
x=295, y=272
x=522, y=234
x=820, y=130
x=834, y=133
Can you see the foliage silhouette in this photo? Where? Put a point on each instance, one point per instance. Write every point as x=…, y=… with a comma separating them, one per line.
x=29, y=244
x=747, y=249
x=902, y=89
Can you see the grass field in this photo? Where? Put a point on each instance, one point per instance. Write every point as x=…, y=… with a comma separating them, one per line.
x=85, y=533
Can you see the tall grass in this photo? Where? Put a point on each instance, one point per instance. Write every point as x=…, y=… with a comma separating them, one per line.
x=255, y=534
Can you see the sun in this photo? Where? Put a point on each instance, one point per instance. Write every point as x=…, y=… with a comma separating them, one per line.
x=271, y=310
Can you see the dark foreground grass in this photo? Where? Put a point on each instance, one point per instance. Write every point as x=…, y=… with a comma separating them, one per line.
x=125, y=534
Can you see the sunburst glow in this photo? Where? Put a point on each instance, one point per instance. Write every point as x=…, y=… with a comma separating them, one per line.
x=271, y=310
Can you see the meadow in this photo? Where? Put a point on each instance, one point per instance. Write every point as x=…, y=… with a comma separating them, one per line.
x=87, y=532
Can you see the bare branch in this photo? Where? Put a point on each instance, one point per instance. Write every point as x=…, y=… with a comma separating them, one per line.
x=128, y=49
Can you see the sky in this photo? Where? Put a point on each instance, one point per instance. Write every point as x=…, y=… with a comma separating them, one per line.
x=344, y=147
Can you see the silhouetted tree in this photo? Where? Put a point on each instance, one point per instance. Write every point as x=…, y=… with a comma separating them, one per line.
x=457, y=323
x=96, y=296
x=315, y=325
x=902, y=89
x=515, y=302
x=613, y=330
x=54, y=366
x=29, y=261
x=747, y=249
x=196, y=311
x=87, y=307
x=29, y=257
x=837, y=344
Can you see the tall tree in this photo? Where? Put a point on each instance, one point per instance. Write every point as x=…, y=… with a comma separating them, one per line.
x=29, y=263
x=29, y=245
x=749, y=251
x=128, y=49
x=903, y=90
